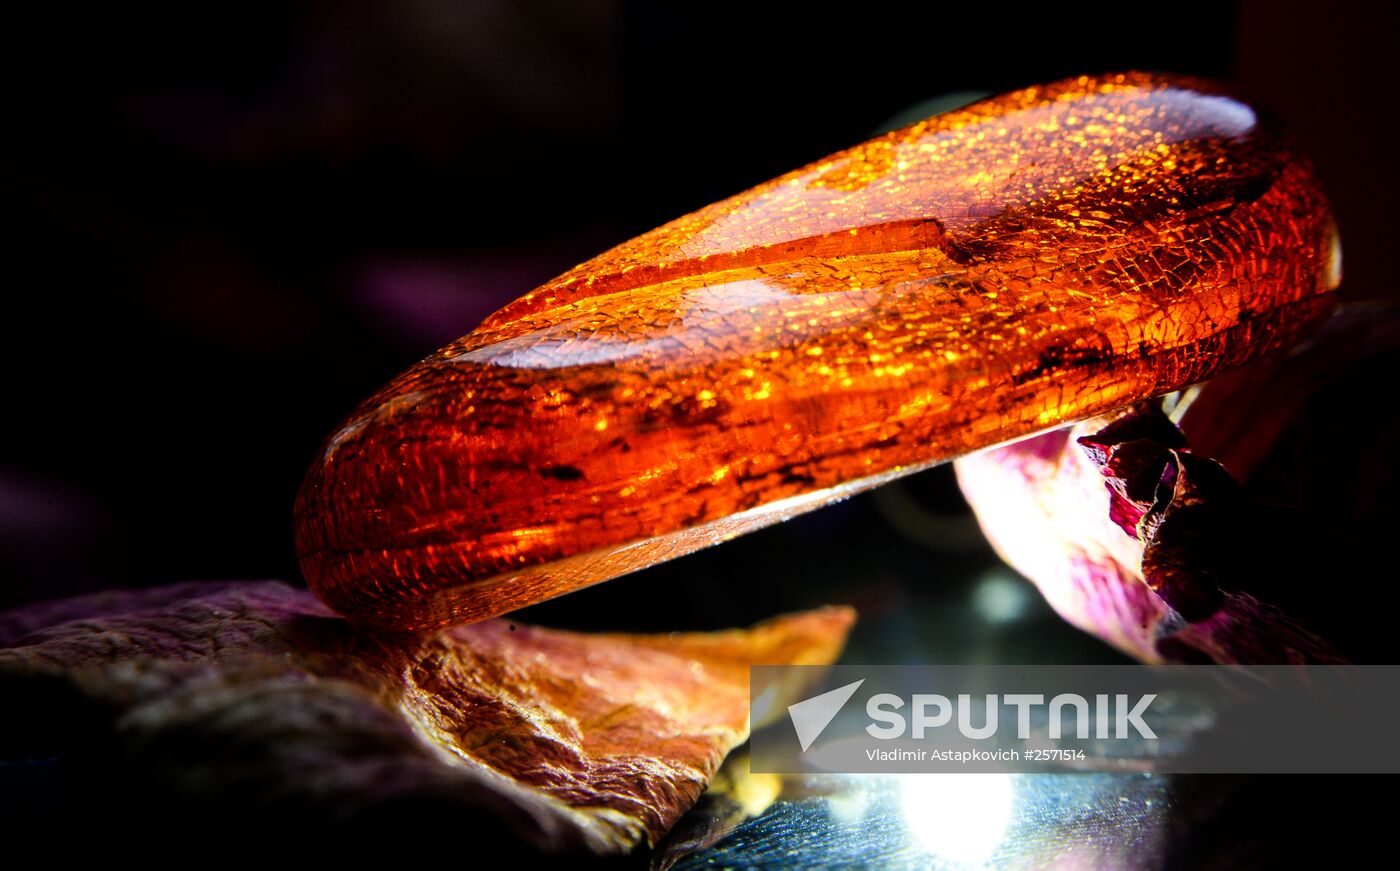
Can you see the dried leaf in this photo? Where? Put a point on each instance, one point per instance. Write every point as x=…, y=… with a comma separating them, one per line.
x=736, y=796
x=1135, y=534
x=1157, y=551
x=251, y=698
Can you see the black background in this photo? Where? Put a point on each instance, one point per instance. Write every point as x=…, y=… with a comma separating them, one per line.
x=230, y=224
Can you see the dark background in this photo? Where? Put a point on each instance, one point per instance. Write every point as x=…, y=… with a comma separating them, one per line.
x=230, y=225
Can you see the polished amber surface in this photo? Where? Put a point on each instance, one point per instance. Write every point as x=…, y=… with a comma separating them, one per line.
x=1032, y=259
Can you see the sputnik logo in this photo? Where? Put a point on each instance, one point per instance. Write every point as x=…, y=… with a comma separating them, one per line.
x=811, y=716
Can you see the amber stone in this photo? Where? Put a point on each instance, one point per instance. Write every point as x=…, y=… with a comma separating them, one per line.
x=1032, y=259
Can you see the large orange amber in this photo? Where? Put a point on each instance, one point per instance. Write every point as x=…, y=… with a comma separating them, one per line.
x=1032, y=259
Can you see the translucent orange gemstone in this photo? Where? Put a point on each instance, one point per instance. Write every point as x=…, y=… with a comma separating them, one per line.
x=1032, y=259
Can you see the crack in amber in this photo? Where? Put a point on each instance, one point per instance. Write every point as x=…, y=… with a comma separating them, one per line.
x=1032, y=259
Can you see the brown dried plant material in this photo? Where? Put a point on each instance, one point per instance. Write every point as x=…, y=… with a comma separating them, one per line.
x=220, y=692
x=1252, y=533
x=736, y=796
x=1033, y=259
x=1135, y=571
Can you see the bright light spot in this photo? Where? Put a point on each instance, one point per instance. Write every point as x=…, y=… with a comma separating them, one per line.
x=1332, y=268
x=958, y=817
x=998, y=598
x=849, y=807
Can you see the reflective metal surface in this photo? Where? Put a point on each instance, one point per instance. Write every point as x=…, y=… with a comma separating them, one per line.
x=953, y=821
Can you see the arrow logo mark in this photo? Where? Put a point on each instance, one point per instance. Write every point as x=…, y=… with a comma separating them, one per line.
x=811, y=716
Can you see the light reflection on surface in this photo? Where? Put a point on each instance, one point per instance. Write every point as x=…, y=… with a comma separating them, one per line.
x=1001, y=597
x=949, y=821
x=960, y=817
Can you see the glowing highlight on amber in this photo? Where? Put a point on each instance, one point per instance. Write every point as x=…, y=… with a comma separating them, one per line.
x=1029, y=260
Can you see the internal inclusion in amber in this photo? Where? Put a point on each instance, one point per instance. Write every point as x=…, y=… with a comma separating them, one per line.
x=1029, y=260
